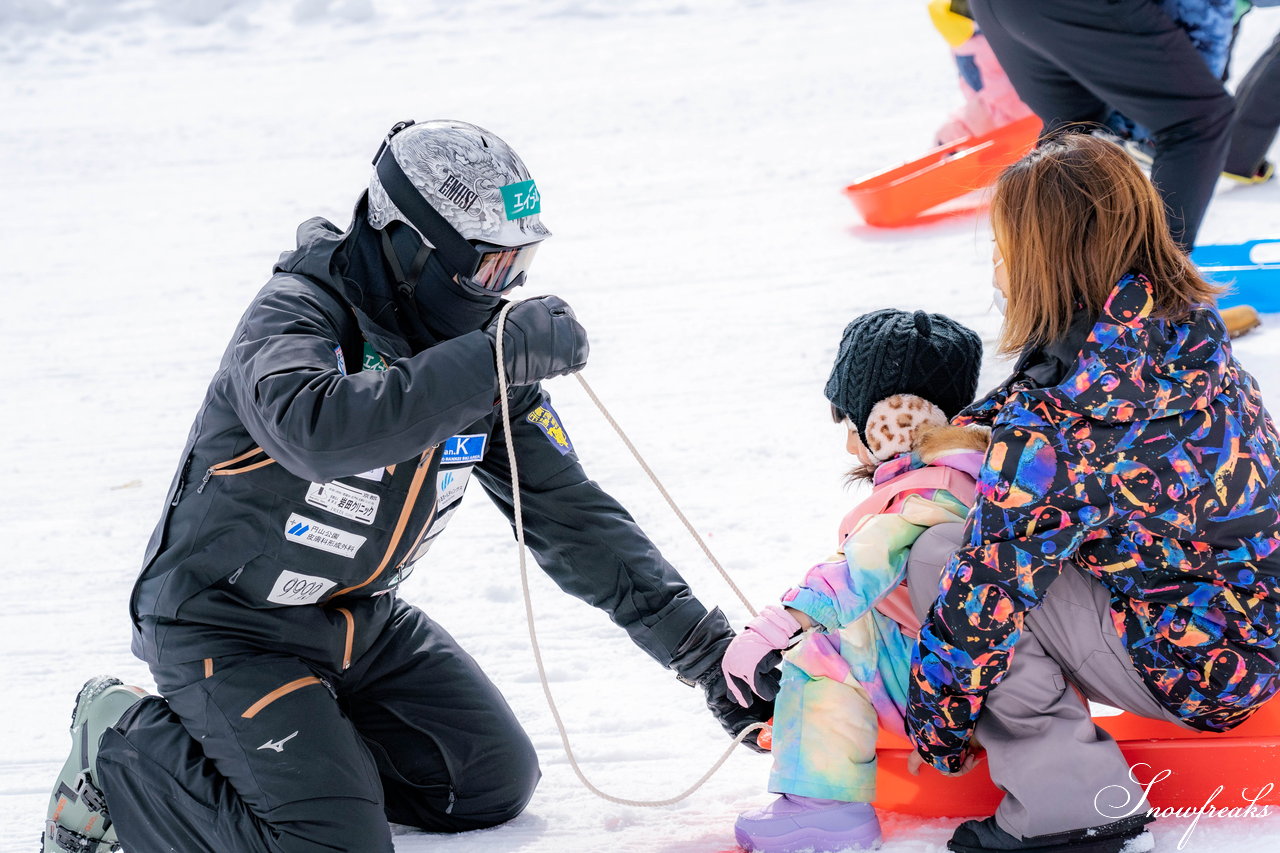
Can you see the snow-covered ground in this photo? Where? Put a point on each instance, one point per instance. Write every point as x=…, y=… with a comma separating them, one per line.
x=157, y=157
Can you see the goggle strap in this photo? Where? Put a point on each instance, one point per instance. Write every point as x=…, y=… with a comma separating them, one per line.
x=459, y=256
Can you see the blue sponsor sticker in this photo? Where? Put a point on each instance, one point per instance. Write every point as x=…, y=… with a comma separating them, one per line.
x=463, y=449
x=545, y=419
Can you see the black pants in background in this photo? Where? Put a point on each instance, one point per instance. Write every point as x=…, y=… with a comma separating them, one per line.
x=1075, y=60
x=267, y=753
x=1257, y=114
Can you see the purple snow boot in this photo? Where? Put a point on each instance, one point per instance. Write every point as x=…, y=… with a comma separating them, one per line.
x=792, y=823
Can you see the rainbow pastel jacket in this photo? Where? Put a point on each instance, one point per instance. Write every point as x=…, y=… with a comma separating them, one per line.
x=1154, y=467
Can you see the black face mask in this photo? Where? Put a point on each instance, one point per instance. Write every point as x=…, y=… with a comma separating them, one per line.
x=447, y=309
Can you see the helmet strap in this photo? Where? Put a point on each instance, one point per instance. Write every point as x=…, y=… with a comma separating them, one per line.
x=405, y=283
x=457, y=255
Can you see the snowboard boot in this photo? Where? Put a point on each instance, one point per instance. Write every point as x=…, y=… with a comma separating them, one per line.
x=792, y=823
x=78, y=821
x=1240, y=320
x=1129, y=835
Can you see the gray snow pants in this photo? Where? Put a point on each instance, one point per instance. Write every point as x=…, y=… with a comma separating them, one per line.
x=1058, y=770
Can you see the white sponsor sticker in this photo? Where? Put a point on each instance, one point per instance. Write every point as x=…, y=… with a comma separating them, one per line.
x=451, y=483
x=375, y=475
x=442, y=521
x=313, y=534
x=293, y=588
x=344, y=500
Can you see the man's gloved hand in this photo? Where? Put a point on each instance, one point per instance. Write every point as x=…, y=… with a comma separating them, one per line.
x=754, y=655
x=541, y=339
x=698, y=660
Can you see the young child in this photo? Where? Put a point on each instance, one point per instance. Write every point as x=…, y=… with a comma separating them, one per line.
x=898, y=379
x=989, y=98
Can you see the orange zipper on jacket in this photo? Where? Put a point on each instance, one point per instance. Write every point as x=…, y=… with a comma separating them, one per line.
x=422, y=532
x=411, y=499
x=350, y=639
x=224, y=469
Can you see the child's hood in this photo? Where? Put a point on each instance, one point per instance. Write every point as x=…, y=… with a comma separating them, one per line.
x=960, y=447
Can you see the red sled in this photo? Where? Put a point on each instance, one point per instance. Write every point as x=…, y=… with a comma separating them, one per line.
x=903, y=194
x=1184, y=769
x=1181, y=769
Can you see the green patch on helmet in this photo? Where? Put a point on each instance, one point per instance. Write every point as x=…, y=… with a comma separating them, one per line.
x=521, y=199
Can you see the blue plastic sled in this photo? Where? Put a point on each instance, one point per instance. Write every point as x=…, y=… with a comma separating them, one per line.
x=1252, y=283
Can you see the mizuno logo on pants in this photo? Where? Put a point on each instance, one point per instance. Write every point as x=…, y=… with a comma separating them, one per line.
x=278, y=745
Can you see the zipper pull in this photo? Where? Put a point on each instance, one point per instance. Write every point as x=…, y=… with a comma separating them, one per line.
x=207, y=474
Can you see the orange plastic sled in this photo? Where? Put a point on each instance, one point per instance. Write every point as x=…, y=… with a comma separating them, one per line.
x=901, y=195
x=1245, y=762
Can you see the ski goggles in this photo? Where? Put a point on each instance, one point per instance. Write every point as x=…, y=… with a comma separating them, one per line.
x=487, y=267
x=500, y=268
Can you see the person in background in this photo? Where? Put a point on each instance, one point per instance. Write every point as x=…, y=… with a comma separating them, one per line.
x=1076, y=61
x=989, y=99
x=1257, y=117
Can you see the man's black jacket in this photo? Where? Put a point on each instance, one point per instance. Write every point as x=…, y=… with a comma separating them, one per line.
x=330, y=452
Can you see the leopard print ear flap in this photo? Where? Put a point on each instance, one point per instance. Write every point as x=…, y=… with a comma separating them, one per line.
x=895, y=423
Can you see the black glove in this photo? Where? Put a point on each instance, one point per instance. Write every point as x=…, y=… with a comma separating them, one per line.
x=541, y=339
x=697, y=660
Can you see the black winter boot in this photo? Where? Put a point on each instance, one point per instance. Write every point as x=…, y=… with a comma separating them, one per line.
x=1123, y=836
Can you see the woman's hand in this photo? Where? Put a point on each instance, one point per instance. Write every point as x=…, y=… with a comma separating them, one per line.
x=976, y=754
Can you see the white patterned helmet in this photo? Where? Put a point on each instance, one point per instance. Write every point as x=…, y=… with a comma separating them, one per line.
x=468, y=175
x=466, y=194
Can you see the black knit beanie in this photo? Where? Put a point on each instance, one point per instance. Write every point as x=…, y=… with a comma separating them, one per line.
x=891, y=352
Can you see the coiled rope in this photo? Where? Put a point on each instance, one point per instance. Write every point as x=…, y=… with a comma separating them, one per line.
x=528, y=601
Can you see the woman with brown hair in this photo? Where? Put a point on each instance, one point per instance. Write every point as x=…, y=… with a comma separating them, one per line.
x=1126, y=536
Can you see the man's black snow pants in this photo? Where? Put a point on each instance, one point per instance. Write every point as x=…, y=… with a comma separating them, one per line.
x=267, y=752
x=1074, y=60
x=1257, y=114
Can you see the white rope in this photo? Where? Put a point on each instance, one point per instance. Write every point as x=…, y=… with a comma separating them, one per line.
x=528, y=601
x=670, y=501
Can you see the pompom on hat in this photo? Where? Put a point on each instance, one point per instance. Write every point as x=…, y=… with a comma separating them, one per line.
x=889, y=353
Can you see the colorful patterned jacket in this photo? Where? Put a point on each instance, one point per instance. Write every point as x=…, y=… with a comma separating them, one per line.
x=856, y=598
x=1153, y=466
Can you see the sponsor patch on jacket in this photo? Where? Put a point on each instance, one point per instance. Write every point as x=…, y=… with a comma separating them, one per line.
x=342, y=365
x=294, y=589
x=313, y=534
x=346, y=501
x=461, y=449
x=521, y=199
x=372, y=361
x=545, y=419
x=451, y=484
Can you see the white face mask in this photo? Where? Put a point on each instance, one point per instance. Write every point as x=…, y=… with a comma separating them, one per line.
x=998, y=299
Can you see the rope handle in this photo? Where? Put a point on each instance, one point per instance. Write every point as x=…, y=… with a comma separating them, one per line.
x=528, y=601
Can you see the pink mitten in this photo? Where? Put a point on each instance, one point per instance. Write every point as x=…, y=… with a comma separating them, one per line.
x=756, y=651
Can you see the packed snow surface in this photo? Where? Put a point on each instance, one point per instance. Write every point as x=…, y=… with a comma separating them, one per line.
x=158, y=156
